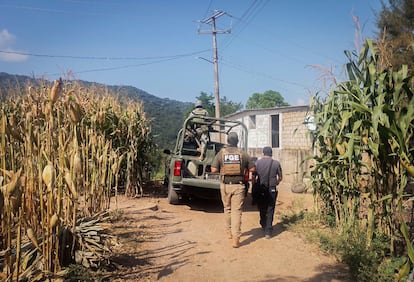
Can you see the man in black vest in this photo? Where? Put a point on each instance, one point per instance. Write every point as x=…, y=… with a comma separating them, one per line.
x=270, y=174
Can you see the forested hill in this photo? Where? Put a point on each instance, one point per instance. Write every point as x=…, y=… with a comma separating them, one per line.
x=167, y=114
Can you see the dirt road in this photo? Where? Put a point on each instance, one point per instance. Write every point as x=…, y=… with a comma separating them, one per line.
x=162, y=242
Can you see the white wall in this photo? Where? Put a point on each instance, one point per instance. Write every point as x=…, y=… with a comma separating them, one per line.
x=295, y=142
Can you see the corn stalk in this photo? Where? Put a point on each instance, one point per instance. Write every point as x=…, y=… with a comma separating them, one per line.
x=62, y=151
x=363, y=135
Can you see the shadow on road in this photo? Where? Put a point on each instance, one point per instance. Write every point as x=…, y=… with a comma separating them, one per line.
x=257, y=233
x=216, y=206
x=209, y=206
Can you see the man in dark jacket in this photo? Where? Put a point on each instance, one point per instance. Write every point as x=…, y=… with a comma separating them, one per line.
x=270, y=175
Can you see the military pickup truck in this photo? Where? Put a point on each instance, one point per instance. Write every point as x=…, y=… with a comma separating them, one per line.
x=188, y=165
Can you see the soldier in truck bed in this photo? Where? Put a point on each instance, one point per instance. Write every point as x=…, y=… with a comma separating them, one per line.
x=199, y=131
x=231, y=162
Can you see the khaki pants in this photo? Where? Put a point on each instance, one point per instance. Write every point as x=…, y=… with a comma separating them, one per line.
x=232, y=196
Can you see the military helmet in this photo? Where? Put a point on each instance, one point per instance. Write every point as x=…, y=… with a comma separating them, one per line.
x=198, y=104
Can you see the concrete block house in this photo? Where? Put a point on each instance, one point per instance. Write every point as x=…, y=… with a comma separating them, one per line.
x=285, y=130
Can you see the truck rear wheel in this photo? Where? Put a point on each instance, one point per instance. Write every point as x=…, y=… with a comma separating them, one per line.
x=173, y=198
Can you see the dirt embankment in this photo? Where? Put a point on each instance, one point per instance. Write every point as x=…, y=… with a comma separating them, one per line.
x=162, y=242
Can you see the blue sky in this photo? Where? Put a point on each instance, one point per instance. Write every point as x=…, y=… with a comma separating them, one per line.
x=158, y=45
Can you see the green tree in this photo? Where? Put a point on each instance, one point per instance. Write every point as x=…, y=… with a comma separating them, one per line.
x=268, y=99
x=228, y=107
x=396, y=25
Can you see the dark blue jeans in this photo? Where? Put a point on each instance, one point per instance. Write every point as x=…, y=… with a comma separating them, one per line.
x=267, y=211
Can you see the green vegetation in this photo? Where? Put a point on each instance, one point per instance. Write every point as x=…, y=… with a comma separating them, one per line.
x=268, y=99
x=364, y=142
x=166, y=115
x=65, y=151
x=227, y=107
x=363, y=136
x=365, y=263
x=396, y=24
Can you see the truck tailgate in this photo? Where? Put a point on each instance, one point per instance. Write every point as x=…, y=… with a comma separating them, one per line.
x=204, y=183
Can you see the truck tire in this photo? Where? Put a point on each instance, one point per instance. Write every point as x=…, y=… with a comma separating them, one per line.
x=173, y=198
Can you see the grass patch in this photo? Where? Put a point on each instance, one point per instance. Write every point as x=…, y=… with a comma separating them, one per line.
x=365, y=263
x=77, y=273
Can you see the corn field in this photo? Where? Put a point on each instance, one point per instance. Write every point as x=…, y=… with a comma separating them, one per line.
x=364, y=143
x=65, y=150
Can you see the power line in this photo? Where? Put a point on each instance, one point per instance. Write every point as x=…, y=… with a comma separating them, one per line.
x=246, y=19
x=152, y=60
x=272, y=78
x=53, y=11
x=131, y=66
x=208, y=8
x=261, y=74
x=104, y=58
x=119, y=67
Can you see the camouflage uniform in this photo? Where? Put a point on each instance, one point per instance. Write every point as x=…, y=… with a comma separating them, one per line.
x=201, y=131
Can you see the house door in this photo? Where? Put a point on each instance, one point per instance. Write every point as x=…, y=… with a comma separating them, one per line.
x=275, y=131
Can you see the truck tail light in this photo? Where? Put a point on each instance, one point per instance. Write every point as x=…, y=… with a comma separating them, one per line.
x=177, y=167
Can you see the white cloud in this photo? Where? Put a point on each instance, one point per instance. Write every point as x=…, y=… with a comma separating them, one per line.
x=6, y=38
x=7, y=53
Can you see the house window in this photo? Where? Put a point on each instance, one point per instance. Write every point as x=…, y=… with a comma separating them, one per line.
x=252, y=122
x=275, y=131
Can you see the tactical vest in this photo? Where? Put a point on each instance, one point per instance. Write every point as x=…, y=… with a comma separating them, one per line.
x=232, y=161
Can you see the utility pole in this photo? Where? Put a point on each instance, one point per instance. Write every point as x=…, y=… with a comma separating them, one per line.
x=212, y=21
